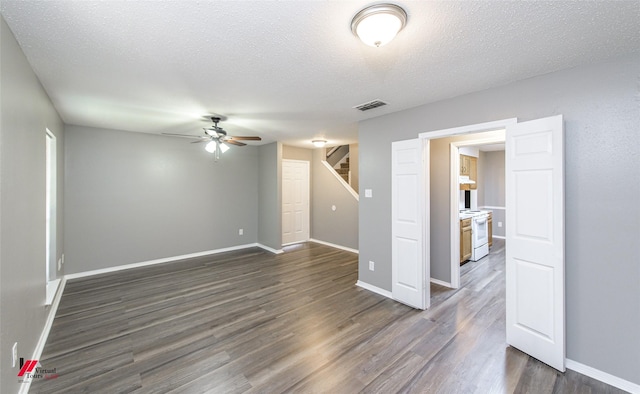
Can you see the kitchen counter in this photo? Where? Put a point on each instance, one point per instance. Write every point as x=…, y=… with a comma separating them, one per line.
x=466, y=214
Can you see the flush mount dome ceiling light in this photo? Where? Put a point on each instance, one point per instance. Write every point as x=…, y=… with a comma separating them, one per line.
x=319, y=143
x=378, y=24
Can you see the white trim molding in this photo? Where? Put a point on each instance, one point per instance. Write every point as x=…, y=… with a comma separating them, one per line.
x=492, y=207
x=441, y=283
x=342, y=181
x=52, y=290
x=374, y=289
x=268, y=249
x=334, y=245
x=166, y=260
x=602, y=376
x=470, y=129
x=53, y=309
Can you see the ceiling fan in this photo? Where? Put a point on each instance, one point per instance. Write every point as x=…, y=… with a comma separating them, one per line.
x=216, y=138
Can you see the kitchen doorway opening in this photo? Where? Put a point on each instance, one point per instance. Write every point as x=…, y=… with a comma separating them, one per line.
x=476, y=143
x=534, y=271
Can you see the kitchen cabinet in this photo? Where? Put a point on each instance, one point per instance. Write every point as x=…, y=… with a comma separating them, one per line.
x=465, y=240
x=464, y=165
x=490, y=228
x=469, y=167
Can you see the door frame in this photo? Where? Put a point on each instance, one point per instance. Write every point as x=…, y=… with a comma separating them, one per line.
x=432, y=135
x=455, y=198
x=51, y=192
x=308, y=202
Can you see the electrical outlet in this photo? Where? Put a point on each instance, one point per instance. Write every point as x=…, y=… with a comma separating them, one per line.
x=240, y=232
x=14, y=354
x=372, y=266
x=499, y=224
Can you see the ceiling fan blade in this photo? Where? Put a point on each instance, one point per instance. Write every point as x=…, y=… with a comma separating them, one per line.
x=214, y=131
x=240, y=138
x=201, y=140
x=184, y=135
x=233, y=142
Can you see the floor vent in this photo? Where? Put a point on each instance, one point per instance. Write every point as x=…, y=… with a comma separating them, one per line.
x=370, y=105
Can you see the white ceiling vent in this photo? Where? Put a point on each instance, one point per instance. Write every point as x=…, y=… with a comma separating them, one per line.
x=370, y=105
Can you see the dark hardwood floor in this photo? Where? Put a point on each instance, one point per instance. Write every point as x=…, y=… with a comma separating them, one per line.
x=251, y=321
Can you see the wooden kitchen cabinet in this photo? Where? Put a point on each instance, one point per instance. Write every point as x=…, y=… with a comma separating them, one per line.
x=469, y=167
x=465, y=240
x=490, y=228
x=464, y=165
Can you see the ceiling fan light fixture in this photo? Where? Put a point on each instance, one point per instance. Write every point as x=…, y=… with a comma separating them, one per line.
x=378, y=24
x=223, y=147
x=319, y=143
x=210, y=147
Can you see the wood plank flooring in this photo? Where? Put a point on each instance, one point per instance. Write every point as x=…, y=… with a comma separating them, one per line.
x=253, y=322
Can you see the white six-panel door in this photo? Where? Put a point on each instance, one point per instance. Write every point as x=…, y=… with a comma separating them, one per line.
x=535, y=239
x=295, y=201
x=409, y=273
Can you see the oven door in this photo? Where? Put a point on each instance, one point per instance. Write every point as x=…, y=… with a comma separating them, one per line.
x=480, y=231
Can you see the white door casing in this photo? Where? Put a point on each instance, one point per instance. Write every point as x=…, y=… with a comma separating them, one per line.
x=535, y=239
x=295, y=201
x=409, y=273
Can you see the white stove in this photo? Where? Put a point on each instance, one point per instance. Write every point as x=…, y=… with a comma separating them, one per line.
x=479, y=233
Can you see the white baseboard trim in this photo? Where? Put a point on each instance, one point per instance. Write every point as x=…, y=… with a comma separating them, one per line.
x=441, y=283
x=334, y=245
x=374, y=289
x=499, y=237
x=37, y=352
x=269, y=249
x=602, y=376
x=52, y=290
x=161, y=261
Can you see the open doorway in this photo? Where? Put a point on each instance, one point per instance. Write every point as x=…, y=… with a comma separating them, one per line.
x=477, y=198
x=50, y=216
x=534, y=166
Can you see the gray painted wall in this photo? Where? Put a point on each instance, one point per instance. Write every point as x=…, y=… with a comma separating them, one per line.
x=491, y=187
x=134, y=197
x=270, y=195
x=295, y=153
x=26, y=112
x=602, y=181
x=339, y=227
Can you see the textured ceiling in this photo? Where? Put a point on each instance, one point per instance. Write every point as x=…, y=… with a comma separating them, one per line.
x=292, y=70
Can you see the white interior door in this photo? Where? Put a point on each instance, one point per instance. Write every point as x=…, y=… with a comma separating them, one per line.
x=295, y=201
x=535, y=239
x=409, y=272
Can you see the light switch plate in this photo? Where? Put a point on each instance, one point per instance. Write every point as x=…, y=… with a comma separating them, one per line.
x=368, y=193
x=14, y=354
